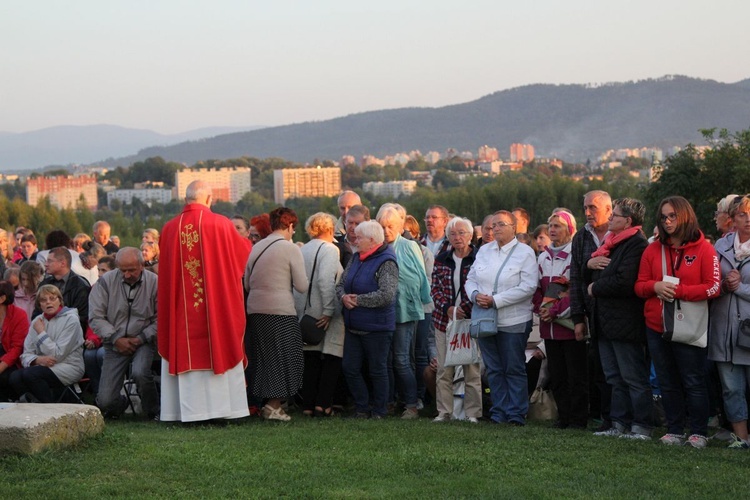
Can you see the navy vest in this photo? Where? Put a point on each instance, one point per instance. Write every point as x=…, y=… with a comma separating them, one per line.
x=360, y=280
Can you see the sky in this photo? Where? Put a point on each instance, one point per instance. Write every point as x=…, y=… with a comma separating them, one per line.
x=177, y=65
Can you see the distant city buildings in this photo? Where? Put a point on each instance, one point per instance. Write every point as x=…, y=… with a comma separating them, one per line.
x=521, y=152
x=305, y=182
x=147, y=196
x=64, y=191
x=392, y=189
x=227, y=184
x=487, y=154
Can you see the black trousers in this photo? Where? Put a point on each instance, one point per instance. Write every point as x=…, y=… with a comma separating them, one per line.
x=319, y=380
x=39, y=381
x=567, y=361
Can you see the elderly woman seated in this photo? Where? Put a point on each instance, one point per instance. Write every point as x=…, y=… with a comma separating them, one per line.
x=53, y=350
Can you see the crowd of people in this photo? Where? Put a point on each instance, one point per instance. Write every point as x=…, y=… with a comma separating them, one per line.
x=358, y=317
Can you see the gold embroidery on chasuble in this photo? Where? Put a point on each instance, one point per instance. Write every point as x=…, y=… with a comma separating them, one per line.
x=189, y=239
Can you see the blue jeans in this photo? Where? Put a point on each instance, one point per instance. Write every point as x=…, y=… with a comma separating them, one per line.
x=93, y=359
x=734, y=378
x=401, y=364
x=421, y=351
x=624, y=365
x=681, y=370
x=374, y=347
x=505, y=359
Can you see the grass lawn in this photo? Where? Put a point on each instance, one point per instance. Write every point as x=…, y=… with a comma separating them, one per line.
x=344, y=458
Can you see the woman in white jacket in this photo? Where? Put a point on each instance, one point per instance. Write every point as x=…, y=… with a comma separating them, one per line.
x=513, y=266
x=53, y=350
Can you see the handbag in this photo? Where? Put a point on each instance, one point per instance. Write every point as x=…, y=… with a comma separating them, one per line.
x=311, y=333
x=460, y=348
x=484, y=321
x=542, y=405
x=684, y=321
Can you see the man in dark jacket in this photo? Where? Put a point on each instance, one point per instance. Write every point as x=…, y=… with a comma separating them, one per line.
x=75, y=289
x=597, y=205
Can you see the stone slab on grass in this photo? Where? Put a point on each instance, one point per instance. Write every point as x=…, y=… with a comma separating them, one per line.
x=27, y=428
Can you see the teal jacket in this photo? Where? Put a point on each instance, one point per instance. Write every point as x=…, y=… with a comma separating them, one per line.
x=413, y=286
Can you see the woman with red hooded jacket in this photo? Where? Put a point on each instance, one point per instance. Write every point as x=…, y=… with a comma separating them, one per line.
x=680, y=368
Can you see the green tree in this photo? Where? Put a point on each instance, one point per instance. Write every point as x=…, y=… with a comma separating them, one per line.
x=703, y=179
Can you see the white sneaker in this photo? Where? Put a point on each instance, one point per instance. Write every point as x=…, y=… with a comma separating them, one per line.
x=673, y=439
x=696, y=441
x=636, y=436
x=442, y=417
x=472, y=420
x=420, y=404
x=611, y=432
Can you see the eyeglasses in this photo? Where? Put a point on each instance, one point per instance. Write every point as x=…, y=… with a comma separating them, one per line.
x=672, y=217
x=500, y=224
x=458, y=233
x=617, y=215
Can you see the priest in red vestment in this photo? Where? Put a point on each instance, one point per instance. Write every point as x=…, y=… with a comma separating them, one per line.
x=201, y=313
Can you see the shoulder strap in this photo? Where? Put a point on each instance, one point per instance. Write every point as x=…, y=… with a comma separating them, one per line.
x=497, y=277
x=261, y=255
x=312, y=275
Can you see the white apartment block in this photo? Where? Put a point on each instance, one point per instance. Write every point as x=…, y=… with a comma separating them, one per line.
x=147, y=196
x=227, y=184
x=391, y=189
x=305, y=183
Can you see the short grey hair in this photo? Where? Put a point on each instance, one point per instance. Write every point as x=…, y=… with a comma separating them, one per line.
x=400, y=210
x=459, y=221
x=135, y=252
x=630, y=207
x=371, y=229
x=724, y=203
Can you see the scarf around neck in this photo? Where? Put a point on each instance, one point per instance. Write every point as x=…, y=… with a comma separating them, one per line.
x=612, y=240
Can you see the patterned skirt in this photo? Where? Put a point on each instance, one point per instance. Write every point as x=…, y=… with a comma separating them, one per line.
x=276, y=358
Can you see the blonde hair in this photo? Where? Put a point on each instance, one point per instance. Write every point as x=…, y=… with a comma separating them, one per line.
x=319, y=223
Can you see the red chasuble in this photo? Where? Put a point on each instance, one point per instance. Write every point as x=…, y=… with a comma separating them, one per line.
x=200, y=301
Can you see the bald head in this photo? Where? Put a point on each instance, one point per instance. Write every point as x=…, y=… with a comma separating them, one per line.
x=198, y=192
x=129, y=261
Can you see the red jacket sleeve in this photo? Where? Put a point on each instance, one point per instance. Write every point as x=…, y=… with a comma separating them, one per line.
x=15, y=327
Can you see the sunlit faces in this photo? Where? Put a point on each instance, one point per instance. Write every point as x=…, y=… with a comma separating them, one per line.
x=542, y=241
x=347, y=201
x=503, y=229
x=435, y=222
x=617, y=221
x=742, y=224
x=597, y=210
x=130, y=268
x=558, y=232
x=487, y=235
x=459, y=237
x=28, y=249
x=352, y=221
x=49, y=303
x=102, y=233
x=241, y=227
x=54, y=266
x=253, y=234
x=668, y=218
x=392, y=227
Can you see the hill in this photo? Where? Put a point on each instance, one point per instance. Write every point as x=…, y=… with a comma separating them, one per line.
x=85, y=144
x=573, y=122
